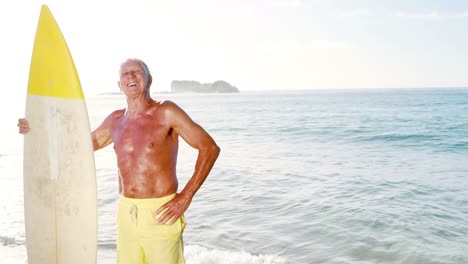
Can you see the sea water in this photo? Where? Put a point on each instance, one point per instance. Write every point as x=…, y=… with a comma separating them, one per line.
x=324, y=176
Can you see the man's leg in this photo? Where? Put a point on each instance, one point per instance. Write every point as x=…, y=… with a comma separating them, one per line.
x=129, y=250
x=162, y=243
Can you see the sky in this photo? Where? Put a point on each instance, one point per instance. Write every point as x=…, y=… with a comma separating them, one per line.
x=252, y=44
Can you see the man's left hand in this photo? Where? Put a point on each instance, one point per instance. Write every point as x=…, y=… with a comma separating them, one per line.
x=172, y=210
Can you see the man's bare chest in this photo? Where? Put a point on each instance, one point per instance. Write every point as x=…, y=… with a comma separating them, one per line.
x=141, y=136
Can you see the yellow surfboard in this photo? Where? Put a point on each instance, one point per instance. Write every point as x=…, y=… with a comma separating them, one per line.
x=60, y=197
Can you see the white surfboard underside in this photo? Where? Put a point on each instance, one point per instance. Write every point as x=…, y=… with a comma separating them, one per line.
x=59, y=182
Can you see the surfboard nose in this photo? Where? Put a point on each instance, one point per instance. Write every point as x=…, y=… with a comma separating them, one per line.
x=53, y=71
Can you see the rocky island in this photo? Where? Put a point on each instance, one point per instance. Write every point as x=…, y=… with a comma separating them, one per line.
x=197, y=87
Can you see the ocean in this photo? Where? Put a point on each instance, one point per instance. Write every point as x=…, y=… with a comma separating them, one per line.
x=321, y=176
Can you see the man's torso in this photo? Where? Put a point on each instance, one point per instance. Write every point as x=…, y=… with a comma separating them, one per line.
x=146, y=148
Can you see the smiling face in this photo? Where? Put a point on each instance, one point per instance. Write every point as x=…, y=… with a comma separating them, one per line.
x=133, y=79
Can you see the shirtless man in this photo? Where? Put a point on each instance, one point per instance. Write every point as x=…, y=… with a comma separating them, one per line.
x=145, y=137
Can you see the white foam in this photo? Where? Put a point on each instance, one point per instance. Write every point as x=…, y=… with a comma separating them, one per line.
x=200, y=255
x=12, y=255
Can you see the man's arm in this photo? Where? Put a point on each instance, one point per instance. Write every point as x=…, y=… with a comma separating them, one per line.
x=208, y=152
x=102, y=135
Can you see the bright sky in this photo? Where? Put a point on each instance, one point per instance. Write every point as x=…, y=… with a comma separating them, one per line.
x=252, y=44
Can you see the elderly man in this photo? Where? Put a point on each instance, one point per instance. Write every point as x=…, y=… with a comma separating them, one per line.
x=145, y=137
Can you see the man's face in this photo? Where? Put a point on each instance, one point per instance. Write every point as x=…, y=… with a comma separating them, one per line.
x=132, y=78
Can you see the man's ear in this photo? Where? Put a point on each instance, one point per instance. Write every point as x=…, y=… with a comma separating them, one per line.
x=150, y=80
x=118, y=83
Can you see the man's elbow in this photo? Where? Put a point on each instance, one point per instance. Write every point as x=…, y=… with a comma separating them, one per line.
x=209, y=150
x=216, y=150
x=213, y=151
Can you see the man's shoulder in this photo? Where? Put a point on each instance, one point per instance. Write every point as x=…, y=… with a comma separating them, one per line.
x=170, y=109
x=168, y=105
x=116, y=114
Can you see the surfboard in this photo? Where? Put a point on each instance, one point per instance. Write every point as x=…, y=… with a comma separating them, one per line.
x=60, y=197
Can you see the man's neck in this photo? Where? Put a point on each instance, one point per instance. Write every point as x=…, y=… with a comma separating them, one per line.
x=138, y=105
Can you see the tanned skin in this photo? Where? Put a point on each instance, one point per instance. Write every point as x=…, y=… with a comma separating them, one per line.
x=146, y=140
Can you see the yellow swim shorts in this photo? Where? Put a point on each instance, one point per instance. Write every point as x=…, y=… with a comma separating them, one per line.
x=141, y=239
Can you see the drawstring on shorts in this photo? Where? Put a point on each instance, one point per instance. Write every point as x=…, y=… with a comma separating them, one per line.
x=134, y=213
